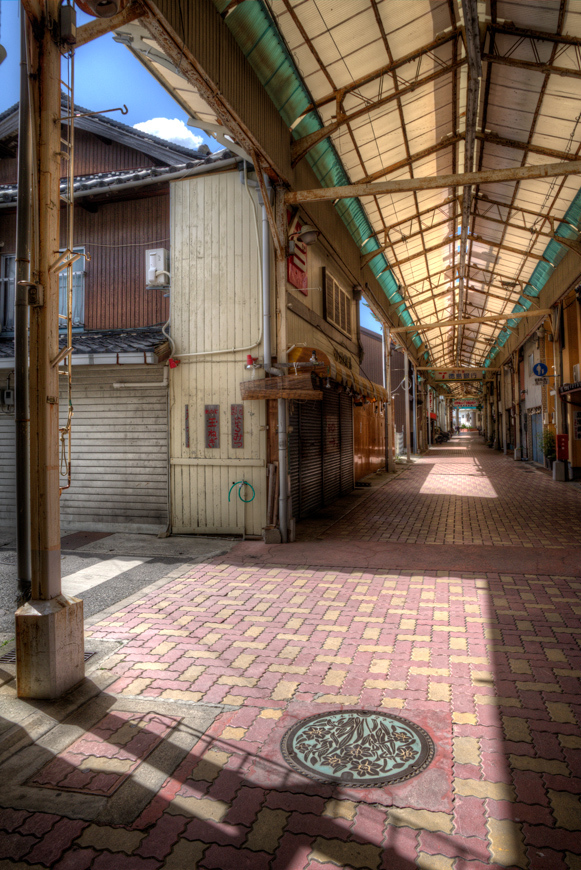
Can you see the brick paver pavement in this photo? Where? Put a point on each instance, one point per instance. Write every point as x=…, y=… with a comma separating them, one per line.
x=488, y=663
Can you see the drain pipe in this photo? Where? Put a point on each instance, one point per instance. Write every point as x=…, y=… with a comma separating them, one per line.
x=282, y=408
x=21, y=402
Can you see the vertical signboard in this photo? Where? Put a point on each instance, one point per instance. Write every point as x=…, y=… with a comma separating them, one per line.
x=237, y=425
x=212, y=425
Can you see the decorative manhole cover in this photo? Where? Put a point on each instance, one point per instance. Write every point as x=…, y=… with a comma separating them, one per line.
x=360, y=748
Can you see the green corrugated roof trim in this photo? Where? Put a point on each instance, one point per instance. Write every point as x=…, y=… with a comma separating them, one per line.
x=569, y=228
x=259, y=38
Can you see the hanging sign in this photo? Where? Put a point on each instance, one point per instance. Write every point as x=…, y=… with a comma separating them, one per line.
x=461, y=376
x=540, y=369
x=297, y=262
x=237, y=421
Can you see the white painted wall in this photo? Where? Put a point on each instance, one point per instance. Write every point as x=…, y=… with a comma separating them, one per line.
x=215, y=304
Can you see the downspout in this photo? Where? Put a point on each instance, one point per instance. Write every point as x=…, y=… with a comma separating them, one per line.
x=407, y=405
x=415, y=401
x=281, y=403
x=21, y=402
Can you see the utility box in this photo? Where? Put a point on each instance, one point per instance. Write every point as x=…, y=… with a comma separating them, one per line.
x=157, y=268
x=7, y=397
x=563, y=448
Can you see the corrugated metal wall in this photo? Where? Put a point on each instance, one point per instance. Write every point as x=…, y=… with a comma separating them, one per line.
x=119, y=452
x=94, y=155
x=116, y=237
x=215, y=305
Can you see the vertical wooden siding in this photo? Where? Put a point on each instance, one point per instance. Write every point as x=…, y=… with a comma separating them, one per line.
x=116, y=237
x=215, y=305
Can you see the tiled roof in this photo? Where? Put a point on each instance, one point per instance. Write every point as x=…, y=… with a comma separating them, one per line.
x=102, y=181
x=113, y=125
x=107, y=341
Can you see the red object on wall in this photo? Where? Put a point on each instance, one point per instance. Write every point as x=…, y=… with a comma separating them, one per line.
x=563, y=447
x=433, y=416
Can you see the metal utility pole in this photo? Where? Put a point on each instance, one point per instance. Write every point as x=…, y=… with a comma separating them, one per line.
x=389, y=455
x=406, y=369
x=517, y=420
x=49, y=628
x=503, y=410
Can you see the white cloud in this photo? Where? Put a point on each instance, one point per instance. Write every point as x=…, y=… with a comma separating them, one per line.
x=171, y=129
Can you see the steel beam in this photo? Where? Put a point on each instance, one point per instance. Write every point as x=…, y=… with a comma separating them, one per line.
x=490, y=318
x=541, y=68
x=436, y=182
x=302, y=146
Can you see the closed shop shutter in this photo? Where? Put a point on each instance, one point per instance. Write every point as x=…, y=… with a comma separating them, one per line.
x=119, y=450
x=346, y=406
x=119, y=453
x=294, y=456
x=7, y=465
x=311, y=455
x=331, y=446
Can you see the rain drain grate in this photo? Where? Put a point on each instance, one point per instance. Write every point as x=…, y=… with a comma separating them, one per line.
x=10, y=657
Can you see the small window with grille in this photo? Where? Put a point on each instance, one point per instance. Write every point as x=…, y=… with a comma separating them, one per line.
x=7, y=291
x=338, y=304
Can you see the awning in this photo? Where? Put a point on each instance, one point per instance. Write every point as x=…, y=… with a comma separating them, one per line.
x=338, y=372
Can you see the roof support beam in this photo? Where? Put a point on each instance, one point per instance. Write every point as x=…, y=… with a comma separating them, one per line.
x=541, y=68
x=527, y=33
x=448, y=142
x=339, y=94
x=494, y=139
x=471, y=24
x=489, y=318
x=436, y=182
x=301, y=147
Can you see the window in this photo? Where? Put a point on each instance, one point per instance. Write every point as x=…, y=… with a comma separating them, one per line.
x=78, y=292
x=337, y=305
x=7, y=291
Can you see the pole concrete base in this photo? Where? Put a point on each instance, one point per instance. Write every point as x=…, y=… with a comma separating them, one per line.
x=49, y=647
x=559, y=470
x=518, y=454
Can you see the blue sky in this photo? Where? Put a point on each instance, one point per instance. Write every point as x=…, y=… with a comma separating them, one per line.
x=107, y=75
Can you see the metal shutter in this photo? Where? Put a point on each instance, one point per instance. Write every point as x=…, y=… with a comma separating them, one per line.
x=294, y=456
x=331, y=446
x=7, y=464
x=311, y=465
x=346, y=412
x=119, y=450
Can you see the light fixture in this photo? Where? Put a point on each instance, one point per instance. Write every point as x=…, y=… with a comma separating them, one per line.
x=101, y=8
x=313, y=358
x=307, y=234
x=328, y=384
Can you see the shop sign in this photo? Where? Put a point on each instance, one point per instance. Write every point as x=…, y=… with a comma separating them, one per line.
x=461, y=376
x=212, y=421
x=237, y=422
x=570, y=388
x=541, y=382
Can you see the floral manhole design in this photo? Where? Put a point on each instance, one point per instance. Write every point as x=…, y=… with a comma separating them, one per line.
x=359, y=748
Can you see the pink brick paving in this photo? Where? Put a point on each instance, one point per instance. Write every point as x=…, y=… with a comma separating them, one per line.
x=488, y=662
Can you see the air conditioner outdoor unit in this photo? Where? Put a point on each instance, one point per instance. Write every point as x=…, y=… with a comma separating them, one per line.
x=157, y=268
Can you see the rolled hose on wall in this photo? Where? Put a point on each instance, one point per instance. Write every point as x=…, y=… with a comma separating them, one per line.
x=240, y=484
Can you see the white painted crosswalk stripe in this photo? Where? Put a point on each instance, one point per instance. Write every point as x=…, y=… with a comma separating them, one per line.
x=80, y=581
